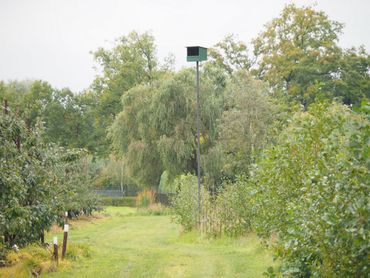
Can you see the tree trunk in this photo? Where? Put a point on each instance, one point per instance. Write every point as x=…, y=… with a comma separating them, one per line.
x=42, y=236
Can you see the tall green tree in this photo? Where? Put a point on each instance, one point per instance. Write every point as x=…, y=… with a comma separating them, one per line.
x=60, y=110
x=156, y=129
x=130, y=62
x=230, y=54
x=351, y=83
x=15, y=91
x=248, y=115
x=297, y=53
x=132, y=139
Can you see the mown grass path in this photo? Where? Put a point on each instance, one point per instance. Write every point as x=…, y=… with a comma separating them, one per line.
x=125, y=244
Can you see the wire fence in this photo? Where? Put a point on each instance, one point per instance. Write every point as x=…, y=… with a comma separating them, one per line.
x=163, y=198
x=115, y=192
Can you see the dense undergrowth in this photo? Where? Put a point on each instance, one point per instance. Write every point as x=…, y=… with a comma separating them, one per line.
x=309, y=192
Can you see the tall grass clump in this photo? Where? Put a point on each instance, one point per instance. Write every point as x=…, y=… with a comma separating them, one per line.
x=145, y=198
x=35, y=260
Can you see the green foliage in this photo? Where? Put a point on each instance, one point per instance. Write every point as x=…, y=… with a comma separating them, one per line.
x=26, y=182
x=78, y=251
x=173, y=121
x=73, y=182
x=81, y=120
x=233, y=208
x=67, y=118
x=131, y=62
x=247, y=118
x=155, y=131
x=298, y=52
x=352, y=82
x=229, y=212
x=230, y=55
x=312, y=192
x=185, y=203
x=38, y=182
x=132, y=138
x=109, y=173
x=165, y=185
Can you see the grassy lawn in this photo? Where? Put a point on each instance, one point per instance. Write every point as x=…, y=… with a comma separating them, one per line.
x=125, y=244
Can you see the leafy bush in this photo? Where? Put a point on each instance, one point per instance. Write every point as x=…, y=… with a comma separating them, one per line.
x=229, y=212
x=145, y=198
x=27, y=181
x=185, y=203
x=119, y=201
x=74, y=181
x=233, y=208
x=312, y=191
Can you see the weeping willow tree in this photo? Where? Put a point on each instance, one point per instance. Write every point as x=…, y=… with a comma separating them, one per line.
x=156, y=132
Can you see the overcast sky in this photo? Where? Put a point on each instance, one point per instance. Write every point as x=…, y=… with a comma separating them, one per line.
x=52, y=39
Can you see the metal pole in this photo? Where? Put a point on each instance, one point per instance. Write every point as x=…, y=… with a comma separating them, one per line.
x=198, y=144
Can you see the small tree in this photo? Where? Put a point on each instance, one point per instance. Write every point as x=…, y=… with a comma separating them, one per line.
x=27, y=182
x=38, y=182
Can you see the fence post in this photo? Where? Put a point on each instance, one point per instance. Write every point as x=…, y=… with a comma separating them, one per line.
x=5, y=106
x=55, y=241
x=65, y=237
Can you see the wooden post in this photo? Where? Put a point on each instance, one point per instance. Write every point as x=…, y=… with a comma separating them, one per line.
x=66, y=217
x=55, y=254
x=65, y=238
